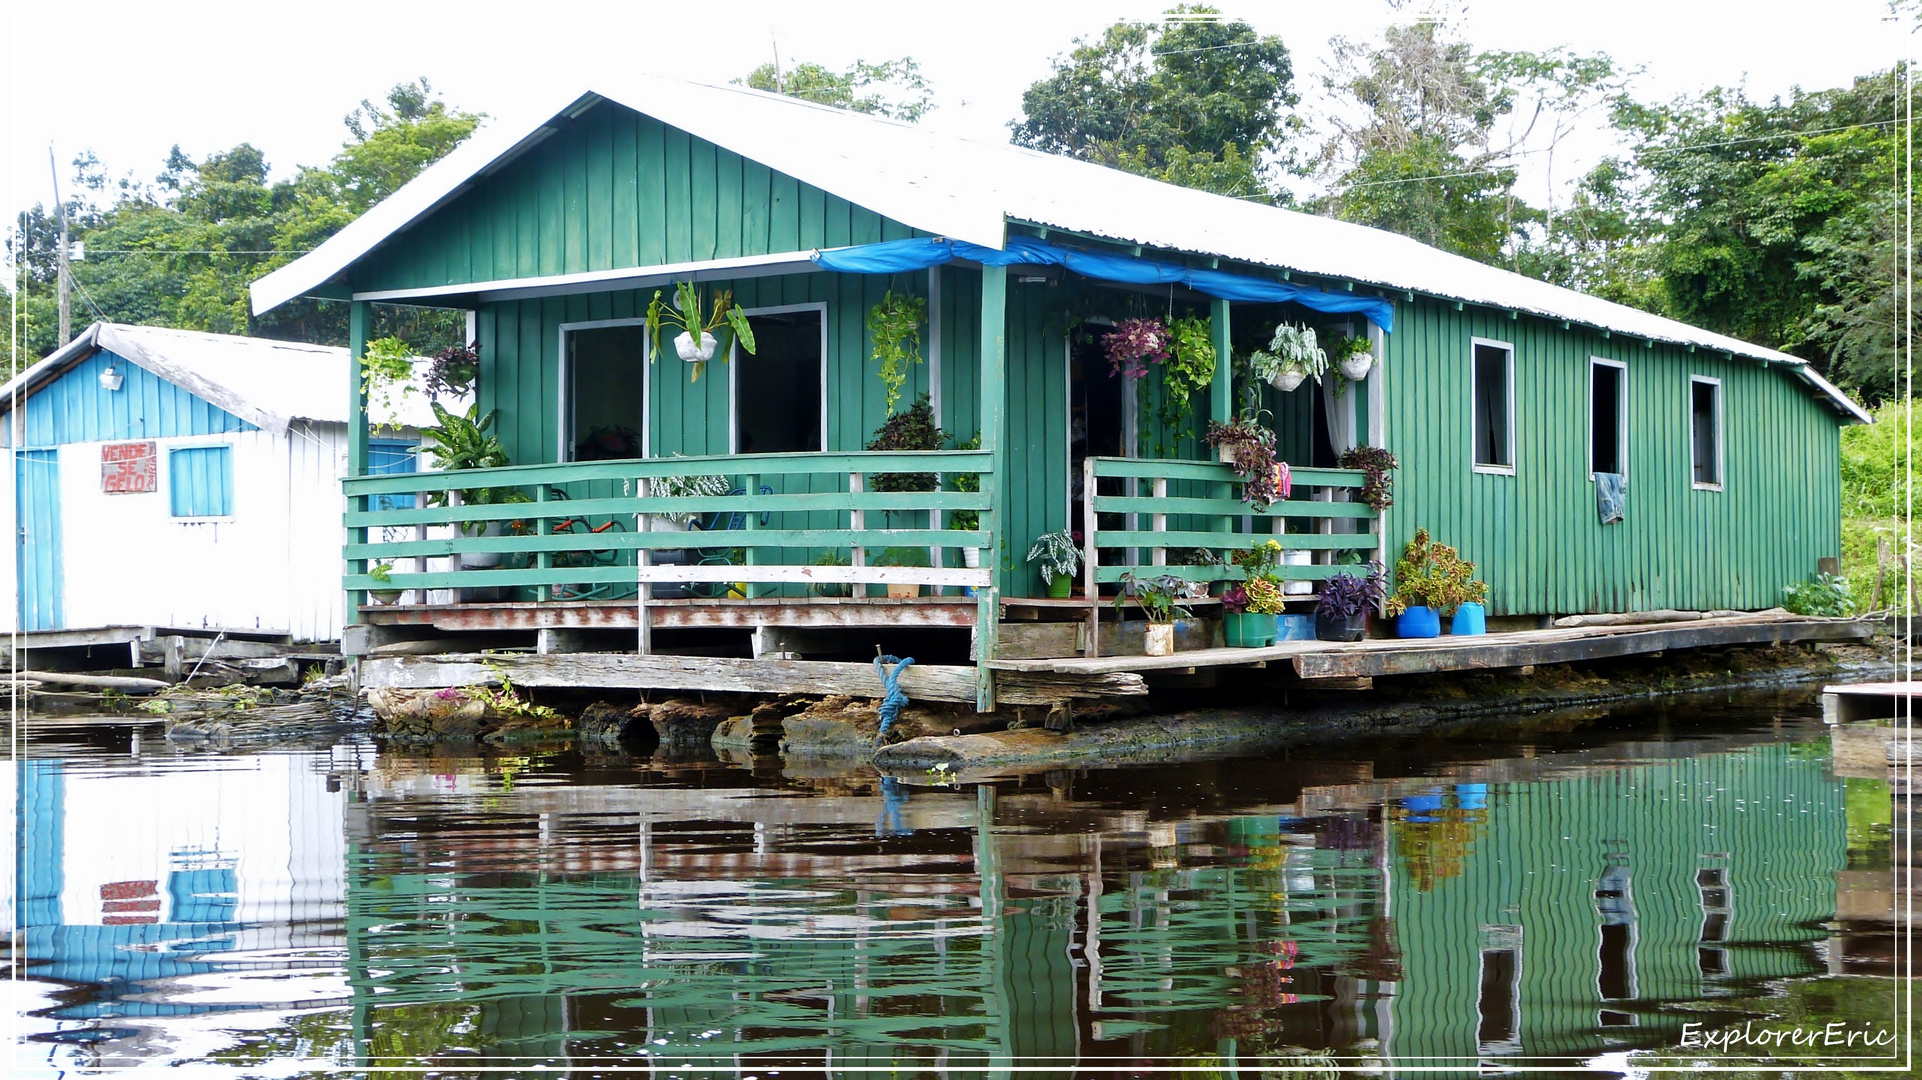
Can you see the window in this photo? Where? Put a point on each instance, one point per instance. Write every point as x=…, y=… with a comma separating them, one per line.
x=1498, y=999
x=1607, y=417
x=1712, y=893
x=390, y=457
x=1615, y=903
x=1705, y=430
x=1494, y=407
x=604, y=392
x=200, y=480
x=776, y=389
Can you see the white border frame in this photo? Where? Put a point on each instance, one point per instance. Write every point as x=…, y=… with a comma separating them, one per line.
x=1721, y=440
x=1508, y=347
x=1621, y=413
x=734, y=369
x=566, y=426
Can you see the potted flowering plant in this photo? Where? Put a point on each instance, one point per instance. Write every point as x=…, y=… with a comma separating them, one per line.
x=1252, y=604
x=1341, y=612
x=1058, y=556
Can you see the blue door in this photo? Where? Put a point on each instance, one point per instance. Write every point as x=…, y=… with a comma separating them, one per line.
x=37, y=509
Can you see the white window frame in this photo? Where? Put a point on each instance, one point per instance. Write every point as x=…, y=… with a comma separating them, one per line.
x=1621, y=413
x=1509, y=405
x=1721, y=458
x=734, y=369
x=566, y=425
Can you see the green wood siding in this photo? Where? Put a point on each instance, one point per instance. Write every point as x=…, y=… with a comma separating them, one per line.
x=1535, y=534
x=613, y=190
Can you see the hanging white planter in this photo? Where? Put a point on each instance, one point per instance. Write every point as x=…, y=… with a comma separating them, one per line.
x=1289, y=378
x=1355, y=368
x=684, y=344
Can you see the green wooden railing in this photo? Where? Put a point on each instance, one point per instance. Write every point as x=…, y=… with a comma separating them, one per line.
x=795, y=507
x=1193, y=506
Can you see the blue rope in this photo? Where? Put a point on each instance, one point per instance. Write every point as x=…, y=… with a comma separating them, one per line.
x=894, y=700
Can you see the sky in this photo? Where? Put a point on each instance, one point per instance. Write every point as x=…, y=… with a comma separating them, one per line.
x=130, y=80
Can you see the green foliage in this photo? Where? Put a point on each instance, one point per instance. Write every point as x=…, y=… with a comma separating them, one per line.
x=894, y=325
x=1825, y=595
x=894, y=89
x=1190, y=368
x=914, y=429
x=966, y=481
x=181, y=250
x=1190, y=100
x=726, y=317
x=381, y=572
x=1159, y=596
x=1251, y=454
x=1878, y=488
x=1055, y=554
x=386, y=376
x=463, y=441
x=1435, y=576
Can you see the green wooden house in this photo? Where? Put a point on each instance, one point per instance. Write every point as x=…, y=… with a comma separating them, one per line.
x=1502, y=397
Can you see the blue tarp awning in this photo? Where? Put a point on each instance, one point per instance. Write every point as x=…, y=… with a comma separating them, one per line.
x=897, y=256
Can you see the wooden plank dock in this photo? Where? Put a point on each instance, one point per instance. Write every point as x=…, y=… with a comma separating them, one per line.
x=1375, y=657
x=1847, y=703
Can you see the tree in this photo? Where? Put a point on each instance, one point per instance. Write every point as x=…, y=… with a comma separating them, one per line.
x=894, y=89
x=1427, y=134
x=1194, y=100
x=182, y=251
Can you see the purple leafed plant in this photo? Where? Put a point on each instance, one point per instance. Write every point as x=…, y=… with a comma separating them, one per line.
x=1134, y=342
x=1345, y=596
x=1235, y=601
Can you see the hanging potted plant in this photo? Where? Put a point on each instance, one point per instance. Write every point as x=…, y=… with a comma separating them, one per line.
x=1293, y=356
x=1341, y=612
x=697, y=342
x=1190, y=368
x=1430, y=580
x=1160, y=600
x=386, y=379
x=1352, y=356
x=1248, y=447
x=1134, y=343
x=454, y=371
x=1058, y=556
x=894, y=324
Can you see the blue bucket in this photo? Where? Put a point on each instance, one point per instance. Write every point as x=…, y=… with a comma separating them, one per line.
x=1418, y=622
x=1469, y=619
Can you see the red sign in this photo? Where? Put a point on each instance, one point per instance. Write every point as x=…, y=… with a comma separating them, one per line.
x=127, y=468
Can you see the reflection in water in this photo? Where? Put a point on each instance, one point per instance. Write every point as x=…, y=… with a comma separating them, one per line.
x=401, y=909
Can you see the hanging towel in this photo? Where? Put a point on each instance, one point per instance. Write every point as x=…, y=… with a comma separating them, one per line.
x=1611, y=496
x=1284, y=480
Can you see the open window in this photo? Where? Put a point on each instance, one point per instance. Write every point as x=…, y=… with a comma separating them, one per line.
x=1705, y=431
x=604, y=390
x=1494, y=394
x=1712, y=894
x=1607, y=417
x=777, y=402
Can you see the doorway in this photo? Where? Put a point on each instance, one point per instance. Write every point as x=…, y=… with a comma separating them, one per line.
x=1101, y=417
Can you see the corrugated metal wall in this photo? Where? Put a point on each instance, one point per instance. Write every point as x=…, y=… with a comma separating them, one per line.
x=76, y=408
x=1535, y=536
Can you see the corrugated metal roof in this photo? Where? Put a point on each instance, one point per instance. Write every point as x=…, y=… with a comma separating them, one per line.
x=970, y=190
x=264, y=382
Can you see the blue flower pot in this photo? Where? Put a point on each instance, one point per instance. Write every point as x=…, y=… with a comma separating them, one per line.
x=1294, y=628
x=1418, y=622
x=1469, y=619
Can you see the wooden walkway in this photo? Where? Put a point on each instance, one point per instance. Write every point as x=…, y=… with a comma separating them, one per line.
x=1849, y=702
x=1395, y=656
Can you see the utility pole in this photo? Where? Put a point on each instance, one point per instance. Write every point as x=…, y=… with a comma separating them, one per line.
x=66, y=275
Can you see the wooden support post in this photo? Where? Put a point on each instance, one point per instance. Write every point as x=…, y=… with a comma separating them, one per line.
x=1089, y=554
x=1221, y=400
x=545, y=559
x=751, y=487
x=643, y=621
x=993, y=412
x=359, y=323
x=858, y=522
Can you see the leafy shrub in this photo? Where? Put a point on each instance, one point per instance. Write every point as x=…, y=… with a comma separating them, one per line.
x=913, y=429
x=1825, y=595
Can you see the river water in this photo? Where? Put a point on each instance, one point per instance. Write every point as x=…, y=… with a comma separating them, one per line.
x=1567, y=891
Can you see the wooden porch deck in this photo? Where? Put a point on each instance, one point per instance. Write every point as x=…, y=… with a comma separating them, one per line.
x=733, y=613
x=1312, y=660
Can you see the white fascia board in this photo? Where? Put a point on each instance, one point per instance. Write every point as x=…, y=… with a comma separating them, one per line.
x=639, y=277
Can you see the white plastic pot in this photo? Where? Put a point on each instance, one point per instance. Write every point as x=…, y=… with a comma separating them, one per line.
x=1297, y=558
x=1160, y=640
x=684, y=344
x=1288, y=379
x=1355, y=368
x=971, y=558
x=482, y=560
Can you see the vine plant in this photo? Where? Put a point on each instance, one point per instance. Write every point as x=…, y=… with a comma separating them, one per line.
x=895, y=326
x=386, y=378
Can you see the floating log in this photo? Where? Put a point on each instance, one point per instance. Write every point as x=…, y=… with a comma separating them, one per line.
x=99, y=682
